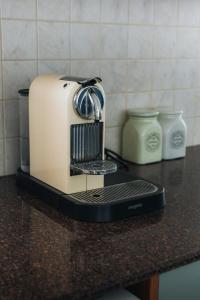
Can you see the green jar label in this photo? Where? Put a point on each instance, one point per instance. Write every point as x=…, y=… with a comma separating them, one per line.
x=177, y=139
x=152, y=142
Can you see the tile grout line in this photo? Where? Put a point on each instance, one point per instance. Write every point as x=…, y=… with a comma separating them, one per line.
x=70, y=32
x=174, y=100
x=3, y=102
x=99, y=64
x=176, y=51
x=127, y=77
x=137, y=92
x=153, y=43
x=105, y=23
x=157, y=59
x=178, y=12
x=37, y=36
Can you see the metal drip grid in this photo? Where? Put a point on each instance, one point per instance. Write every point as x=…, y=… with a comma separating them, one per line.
x=97, y=167
x=117, y=192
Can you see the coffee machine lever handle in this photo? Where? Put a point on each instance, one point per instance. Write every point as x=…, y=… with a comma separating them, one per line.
x=97, y=105
x=90, y=81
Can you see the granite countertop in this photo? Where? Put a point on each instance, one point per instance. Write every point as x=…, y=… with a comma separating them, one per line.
x=44, y=255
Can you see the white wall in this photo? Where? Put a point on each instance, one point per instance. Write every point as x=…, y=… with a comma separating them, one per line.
x=146, y=51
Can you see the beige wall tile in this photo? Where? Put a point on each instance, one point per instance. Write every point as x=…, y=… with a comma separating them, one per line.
x=12, y=81
x=163, y=74
x=196, y=131
x=187, y=74
x=57, y=10
x=85, y=41
x=115, y=110
x=165, y=12
x=138, y=100
x=141, y=12
x=53, y=40
x=188, y=43
x=0, y=35
x=113, y=139
x=114, y=75
x=186, y=100
x=163, y=99
x=85, y=11
x=19, y=39
x=23, y=9
x=139, y=76
x=164, y=44
x=197, y=102
x=190, y=127
x=189, y=13
x=54, y=67
x=114, y=11
x=113, y=41
x=140, y=42
x=86, y=68
x=1, y=83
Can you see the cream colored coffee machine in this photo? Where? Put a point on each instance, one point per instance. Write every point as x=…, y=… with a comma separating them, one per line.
x=66, y=129
x=67, y=165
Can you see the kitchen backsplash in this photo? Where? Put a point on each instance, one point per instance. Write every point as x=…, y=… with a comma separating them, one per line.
x=146, y=51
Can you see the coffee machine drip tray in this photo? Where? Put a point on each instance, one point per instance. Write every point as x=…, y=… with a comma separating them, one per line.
x=122, y=196
x=115, y=193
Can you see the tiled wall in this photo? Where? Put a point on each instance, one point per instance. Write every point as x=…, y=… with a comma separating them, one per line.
x=146, y=51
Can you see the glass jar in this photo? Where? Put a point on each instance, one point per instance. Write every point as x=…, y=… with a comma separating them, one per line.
x=174, y=134
x=24, y=129
x=142, y=137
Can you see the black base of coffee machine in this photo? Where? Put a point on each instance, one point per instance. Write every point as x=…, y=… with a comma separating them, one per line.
x=122, y=196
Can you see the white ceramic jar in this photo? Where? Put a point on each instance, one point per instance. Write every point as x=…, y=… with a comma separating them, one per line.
x=174, y=134
x=142, y=137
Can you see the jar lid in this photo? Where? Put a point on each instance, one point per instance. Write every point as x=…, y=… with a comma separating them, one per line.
x=171, y=112
x=143, y=112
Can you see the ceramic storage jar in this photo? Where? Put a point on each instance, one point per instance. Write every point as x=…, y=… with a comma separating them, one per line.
x=174, y=134
x=142, y=137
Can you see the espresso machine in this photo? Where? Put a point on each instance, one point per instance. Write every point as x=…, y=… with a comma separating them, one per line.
x=67, y=163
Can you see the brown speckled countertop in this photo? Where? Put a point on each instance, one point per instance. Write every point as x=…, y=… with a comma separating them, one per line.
x=44, y=255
